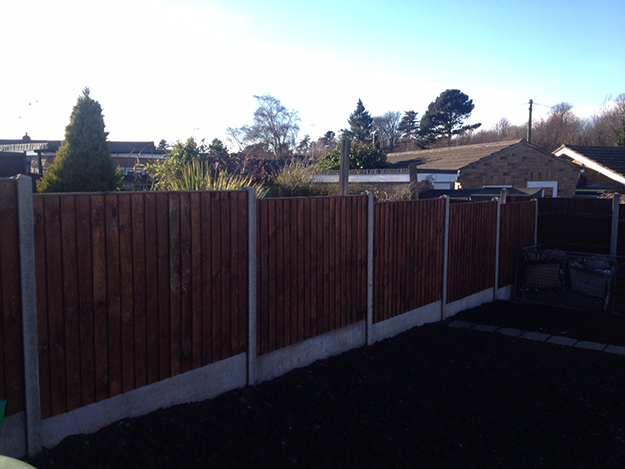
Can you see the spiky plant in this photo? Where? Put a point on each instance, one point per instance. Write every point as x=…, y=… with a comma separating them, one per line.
x=195, y=176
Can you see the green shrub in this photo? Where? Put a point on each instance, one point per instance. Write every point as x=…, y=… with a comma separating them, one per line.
x=296, y=180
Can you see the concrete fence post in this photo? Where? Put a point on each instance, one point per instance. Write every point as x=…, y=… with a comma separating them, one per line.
x=616, y=203
x=29, y=313
x=497, y=244
x=251, y=295
x=369, y=267
x=445, y=259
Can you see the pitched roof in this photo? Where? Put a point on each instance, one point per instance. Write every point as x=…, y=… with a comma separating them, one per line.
x=449, y=158
x=606, y=160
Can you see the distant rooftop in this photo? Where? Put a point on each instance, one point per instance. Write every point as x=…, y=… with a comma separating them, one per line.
x=610, y=158
x=53, y=145
x=449, y=158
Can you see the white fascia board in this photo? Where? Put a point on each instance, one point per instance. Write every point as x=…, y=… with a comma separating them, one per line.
x=591, y=164
x=392, y=178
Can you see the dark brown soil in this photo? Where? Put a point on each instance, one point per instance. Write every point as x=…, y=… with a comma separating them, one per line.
x=434, y=396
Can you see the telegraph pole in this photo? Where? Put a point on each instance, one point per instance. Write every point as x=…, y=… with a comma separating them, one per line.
x=529, y=124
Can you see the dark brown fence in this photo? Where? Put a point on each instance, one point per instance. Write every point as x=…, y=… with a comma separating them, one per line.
x=135, y=288
x=621, y=230
x=11, y=338
x=580, y=225
x=472, y=241
x=408, y=256
x=312, y=267
x=517, y=231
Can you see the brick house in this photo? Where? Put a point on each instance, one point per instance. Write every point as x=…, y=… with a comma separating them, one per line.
x=512, y=164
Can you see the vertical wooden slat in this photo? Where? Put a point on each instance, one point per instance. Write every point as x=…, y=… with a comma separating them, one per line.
x=243, y=276
x=98, y=241
x=303, y=286
x=152, y=288
x=217, y=275
x=10, y=300
x=186, y=326
x=279, y=272
x=85, y=298
x=42, y=306
x=70, y=282
x=126, y=293
x=310, y=223
x=139, y=274
x=164, y=317
x=114, y=293
x=207, y=283
x=226, y=278
x=54, y=264
x=175, y=320
x=196, y=285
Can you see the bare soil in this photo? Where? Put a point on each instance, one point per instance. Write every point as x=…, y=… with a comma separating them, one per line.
x=435, y=396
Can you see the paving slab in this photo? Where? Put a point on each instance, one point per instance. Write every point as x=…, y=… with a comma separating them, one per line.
x=510, y=331
x=462, y=324
x=485, y=328
x=559, y=340
x=590, y=345
x=537, y=336
x=615, y=349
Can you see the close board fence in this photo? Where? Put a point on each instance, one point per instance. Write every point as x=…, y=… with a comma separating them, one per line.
x=407, y=256
x=579, y=225
x=11, y=337
x=312, y=255
x=472, y=248
x=517, y=231
x=137, y=288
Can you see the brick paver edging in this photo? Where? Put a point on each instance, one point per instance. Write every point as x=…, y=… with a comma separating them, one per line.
x=540, y=337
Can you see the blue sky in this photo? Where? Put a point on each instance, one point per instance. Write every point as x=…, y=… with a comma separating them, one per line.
x=176, y=68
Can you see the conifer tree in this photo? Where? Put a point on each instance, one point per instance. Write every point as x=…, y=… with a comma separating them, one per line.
x=360, y=124
x=83, y=163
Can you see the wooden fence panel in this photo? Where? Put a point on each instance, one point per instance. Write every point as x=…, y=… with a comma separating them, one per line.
x=408, y=256
x=580, y=225
x=11, y=340
x=306, y=270
x=472, y=236
x=117, y=276
x=516, y=232
x=620, y=247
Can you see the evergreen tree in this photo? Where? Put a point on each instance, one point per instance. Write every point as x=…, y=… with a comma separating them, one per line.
x=361, y=124
x=83, y=163
x=445, y=116
x=362, y=156
x=409, y=125
x=217, y=151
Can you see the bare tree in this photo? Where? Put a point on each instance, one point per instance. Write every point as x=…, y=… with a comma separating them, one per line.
x=561, y=127
x=274, y=125
x=388, y=131
x=605, y=127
